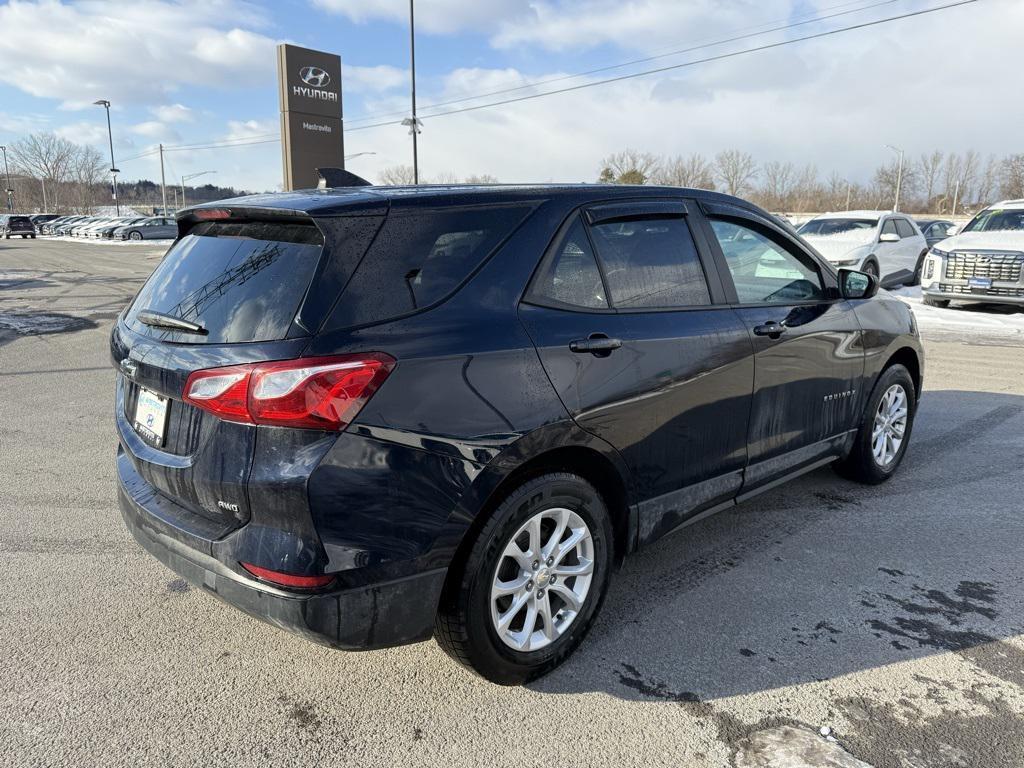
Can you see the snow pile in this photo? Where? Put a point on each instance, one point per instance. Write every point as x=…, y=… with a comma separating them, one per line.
x=106, y=241
x=998, y=322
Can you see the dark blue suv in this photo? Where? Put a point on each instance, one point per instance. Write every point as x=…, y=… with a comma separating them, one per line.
x=374, y=415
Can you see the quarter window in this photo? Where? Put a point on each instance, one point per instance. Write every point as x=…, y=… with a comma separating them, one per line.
x=650, y=263
x=572, y=276
x=763, y=271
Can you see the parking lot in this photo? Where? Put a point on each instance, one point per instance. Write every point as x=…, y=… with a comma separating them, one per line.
x=892, y=616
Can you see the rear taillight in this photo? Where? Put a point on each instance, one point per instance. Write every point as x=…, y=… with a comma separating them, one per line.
x=291, y=580
x=310, y=393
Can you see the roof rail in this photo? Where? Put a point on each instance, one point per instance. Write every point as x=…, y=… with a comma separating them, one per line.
x=339, y=177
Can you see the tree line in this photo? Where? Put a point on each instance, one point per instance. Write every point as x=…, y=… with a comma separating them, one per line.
x=933, y=182
x=50, y=173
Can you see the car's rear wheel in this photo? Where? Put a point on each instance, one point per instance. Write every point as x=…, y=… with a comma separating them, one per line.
x=884, y=431
x=929, y=301
x=133, y=235
x=528, y=589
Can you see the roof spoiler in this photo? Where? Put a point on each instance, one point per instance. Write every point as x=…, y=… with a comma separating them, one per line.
x=339, y=177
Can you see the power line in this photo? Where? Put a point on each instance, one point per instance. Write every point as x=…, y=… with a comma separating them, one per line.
x=655, y=57
x=719, y=57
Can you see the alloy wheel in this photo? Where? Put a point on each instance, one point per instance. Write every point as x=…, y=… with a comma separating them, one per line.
x=889, y=426
x=542, y=579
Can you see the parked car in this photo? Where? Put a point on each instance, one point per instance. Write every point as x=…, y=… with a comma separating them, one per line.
x=82, y=229
x=373, y=415
x=39, y=219
x=936, y=230
x=882, y=243
x=13, y=224
x=153, y=228
x=50, y=227
x=107, y=230
x=65, y=227
x=984, y=262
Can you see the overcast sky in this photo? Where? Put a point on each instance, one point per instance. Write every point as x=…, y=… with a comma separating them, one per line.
x=201, y=70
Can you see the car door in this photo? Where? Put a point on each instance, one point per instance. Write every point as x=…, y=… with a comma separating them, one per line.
x=634, y=333
x=808, y=357
x=910, y=246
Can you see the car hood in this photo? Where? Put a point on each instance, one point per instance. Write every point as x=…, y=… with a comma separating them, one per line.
x=998, y=240
x=843, y=245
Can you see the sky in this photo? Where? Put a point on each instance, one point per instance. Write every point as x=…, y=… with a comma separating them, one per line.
x=203, y=71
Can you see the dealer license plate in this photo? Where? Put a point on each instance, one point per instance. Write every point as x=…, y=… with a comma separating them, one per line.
x=979, y=283
x=151, y=416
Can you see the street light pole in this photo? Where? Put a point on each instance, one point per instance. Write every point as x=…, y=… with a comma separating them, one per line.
x=186, y=178
x=899, y=177
x=7, y=175
x=414, y=127
x=163, y=181
x=113, y=168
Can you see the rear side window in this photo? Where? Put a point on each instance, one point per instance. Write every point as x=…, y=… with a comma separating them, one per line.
x=572, y=277
x=650, y=263
x=420, y=257
x=241, y=281
x=904, y=228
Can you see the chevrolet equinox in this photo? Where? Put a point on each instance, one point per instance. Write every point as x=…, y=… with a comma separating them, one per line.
x=373, y=415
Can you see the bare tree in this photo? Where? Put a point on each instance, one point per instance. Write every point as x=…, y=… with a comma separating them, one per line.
x=86, y=171
x=1011, y=177
x=929, y=168
x=693, y=171
x=736, y=170
x=44, y=156
x=483, y=178
x=886, y=178
x=777, y=186
x=628, y=167
x=397, y=176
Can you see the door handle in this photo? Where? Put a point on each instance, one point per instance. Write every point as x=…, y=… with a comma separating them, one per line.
x=771, y=329
x=597, y=344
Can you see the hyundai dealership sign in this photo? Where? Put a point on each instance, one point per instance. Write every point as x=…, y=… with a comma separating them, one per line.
x=311, y=137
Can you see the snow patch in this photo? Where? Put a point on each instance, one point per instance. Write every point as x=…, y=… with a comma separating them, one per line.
x=999, y=322
x=789, y=747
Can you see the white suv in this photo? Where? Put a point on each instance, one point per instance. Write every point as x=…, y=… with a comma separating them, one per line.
x=984, y=262
x=886, y=244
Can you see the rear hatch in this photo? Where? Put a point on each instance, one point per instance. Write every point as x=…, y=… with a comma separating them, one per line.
x=20, y=224
x=244, y=283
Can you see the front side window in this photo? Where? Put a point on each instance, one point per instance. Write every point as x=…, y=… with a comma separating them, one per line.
x=572, y=276
x=763, y=271
x=650, y=263
x=904, y=228
x=889, y=228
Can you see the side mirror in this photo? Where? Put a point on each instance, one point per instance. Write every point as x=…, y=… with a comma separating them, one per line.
x=888, y=237
x=857, y=285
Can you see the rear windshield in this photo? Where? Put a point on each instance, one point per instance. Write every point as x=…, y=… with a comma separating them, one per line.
x=420, y=257
x=24, y=221
x=241, y=281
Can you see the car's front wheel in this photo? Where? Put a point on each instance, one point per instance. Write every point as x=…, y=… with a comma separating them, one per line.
x=884, y=431
x=528, y=589
x=941, y=303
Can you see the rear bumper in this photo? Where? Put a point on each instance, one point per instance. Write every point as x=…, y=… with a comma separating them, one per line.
x=376, y=615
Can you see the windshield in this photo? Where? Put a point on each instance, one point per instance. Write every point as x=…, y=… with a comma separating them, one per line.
x=836, y=226
x=995, y=219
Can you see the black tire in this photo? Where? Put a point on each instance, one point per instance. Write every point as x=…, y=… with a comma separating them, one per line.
x=464, y=627
x=860, y=465
x=930, y=302
x=134, y=235
x=871, y=268
x=916, y=279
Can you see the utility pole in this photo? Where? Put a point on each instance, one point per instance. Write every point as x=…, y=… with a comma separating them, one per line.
x=847, y=195
x=186, y=178
x=43, y=182
x=113, y=168
x=899, y=177
x=7, y=175
x=956, y=194
x=163, y=181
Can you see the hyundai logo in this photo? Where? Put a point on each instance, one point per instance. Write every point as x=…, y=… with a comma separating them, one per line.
x=315, y=77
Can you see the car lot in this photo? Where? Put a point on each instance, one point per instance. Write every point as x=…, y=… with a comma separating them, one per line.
x=891, y=615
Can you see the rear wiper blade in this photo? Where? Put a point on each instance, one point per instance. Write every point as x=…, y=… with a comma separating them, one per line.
x=160, y=320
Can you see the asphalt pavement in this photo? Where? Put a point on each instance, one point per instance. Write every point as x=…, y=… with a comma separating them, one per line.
x=891, y=616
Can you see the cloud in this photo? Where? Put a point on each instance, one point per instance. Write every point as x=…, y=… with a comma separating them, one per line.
x=373, y=79
x=130, y=52
x=252, y=129
x=172, y=113
x=154, y=129
x=432, y=16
